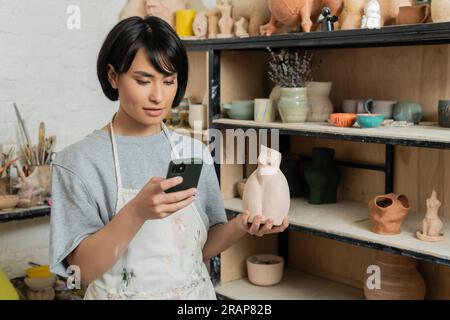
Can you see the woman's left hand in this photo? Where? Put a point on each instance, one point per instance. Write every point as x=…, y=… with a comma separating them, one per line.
x=260, y=226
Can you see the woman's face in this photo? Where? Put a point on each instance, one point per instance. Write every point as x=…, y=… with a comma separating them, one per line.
x=145, y=94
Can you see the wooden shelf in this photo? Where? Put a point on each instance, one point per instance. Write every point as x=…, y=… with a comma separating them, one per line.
x=22, y=214
x=426, y=134
x=418, y=34
x=349, y=222
x=294, y=286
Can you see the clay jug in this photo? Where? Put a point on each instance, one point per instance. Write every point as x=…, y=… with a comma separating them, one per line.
x=400, y=279
x=387, y=213
x=320, y=104
x=266, y=191
x=322, y=177
x=440, y=10
x=390, y=9
x=352, y=14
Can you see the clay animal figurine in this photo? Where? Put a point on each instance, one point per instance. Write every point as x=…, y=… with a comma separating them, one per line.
x=256, y=12
x=266, y=191
x=200, y=25
x=133, y=8
x=30, y=189
x=298, y=13
x=372, y=15
x=431, y=224
x=226, y=21
x=164, y=9
x=240, y=28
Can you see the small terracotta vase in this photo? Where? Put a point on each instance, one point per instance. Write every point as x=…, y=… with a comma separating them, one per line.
x=400, y=279
x=387, y=213
x=352, y=14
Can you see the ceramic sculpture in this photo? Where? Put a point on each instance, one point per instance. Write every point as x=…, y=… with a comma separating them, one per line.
x=200, y=25
x=399, y=279
x=226, y=21
x=298, y=13
x=387, y=213
x=256, y=12
x=30, y=188
x=164, y=9
x=372, y=15
x=352, y=14
x=431, y=224
x=213, y=21
x=240, y=28
x=266, y=191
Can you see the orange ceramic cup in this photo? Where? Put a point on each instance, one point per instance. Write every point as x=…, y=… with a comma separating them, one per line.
x=343, y=119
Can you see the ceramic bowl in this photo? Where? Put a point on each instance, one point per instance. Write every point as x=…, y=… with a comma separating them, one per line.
x=39, y=272
x=40, y=283
x=265, y=269
x=8, y=202
x=240, y=110
x=369, y=120
x=343, y=119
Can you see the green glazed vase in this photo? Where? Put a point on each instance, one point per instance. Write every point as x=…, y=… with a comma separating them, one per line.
x=322, y=177
x=293, y=104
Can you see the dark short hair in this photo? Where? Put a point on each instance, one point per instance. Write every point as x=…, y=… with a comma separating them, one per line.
x=164, y=49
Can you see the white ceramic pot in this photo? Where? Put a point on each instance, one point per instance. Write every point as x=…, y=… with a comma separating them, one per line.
x=197, y=116
x=265, y=269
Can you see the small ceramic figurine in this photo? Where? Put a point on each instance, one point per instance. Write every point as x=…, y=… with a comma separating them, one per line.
x=372, y=15
x=240, y=28
x=213, y=20
x=266, y=191
x=256, y=12
x=200, y=25
x=387, y=213
x=431, y=224
x=327, y=20
x=30, y=189
x=226, y=21
x=164, y=9
x=297, y=13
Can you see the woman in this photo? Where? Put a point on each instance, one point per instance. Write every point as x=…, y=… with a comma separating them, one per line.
x=111, y=216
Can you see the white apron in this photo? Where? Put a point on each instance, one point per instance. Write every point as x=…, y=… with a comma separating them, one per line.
x=164, y=260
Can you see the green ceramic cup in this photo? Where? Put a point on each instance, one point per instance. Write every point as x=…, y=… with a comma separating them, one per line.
x=240, y=109
x=408, y=111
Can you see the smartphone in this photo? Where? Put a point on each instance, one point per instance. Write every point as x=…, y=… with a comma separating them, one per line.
x=189, y=169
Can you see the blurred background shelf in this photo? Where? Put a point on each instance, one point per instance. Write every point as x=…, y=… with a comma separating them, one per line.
x=22, y=214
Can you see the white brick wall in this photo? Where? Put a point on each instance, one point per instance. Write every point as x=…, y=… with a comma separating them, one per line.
x=50, y=72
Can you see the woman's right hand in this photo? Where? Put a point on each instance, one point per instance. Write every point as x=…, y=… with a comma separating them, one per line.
x=153, y=203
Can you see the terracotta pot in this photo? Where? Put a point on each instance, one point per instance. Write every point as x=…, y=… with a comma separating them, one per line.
x=387, y=213
x=413, y=14
x=352, y=14
x=8, y=201
x=400, y=279
x=440, y=10
x=390, y=9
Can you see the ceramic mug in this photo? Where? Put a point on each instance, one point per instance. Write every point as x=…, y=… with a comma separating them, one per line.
x=264, y=111
x=444, y=113
x=413, y=14
x=383, y=107
x=197, y=116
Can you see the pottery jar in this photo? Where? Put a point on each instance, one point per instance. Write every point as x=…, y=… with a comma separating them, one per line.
x=320, y=104
x=399, y=277
x=387, y=213
x=408, y=111
x=322, y=177
x=293, y=104
x=444, y=113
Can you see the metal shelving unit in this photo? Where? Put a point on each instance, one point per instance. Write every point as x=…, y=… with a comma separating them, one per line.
x=435, y=137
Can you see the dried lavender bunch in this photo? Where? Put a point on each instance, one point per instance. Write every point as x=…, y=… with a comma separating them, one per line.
x=290, y=69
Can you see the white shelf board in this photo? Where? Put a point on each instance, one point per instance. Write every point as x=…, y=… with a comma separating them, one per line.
x=351, y=220
x=426, y=131
x=295, y=285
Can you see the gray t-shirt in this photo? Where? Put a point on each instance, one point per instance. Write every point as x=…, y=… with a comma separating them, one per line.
x=84, y=188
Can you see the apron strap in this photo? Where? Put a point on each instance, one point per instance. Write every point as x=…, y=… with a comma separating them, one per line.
x=116, y=156
x=168, y=135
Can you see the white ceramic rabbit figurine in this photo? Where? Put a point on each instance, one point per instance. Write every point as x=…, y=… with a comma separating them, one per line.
x=266, y=192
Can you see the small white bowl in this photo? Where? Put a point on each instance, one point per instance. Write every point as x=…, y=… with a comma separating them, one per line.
x=265, y=269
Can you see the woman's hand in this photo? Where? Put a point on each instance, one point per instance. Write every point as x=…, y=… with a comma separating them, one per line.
x=260, y=226
x=153, y=203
